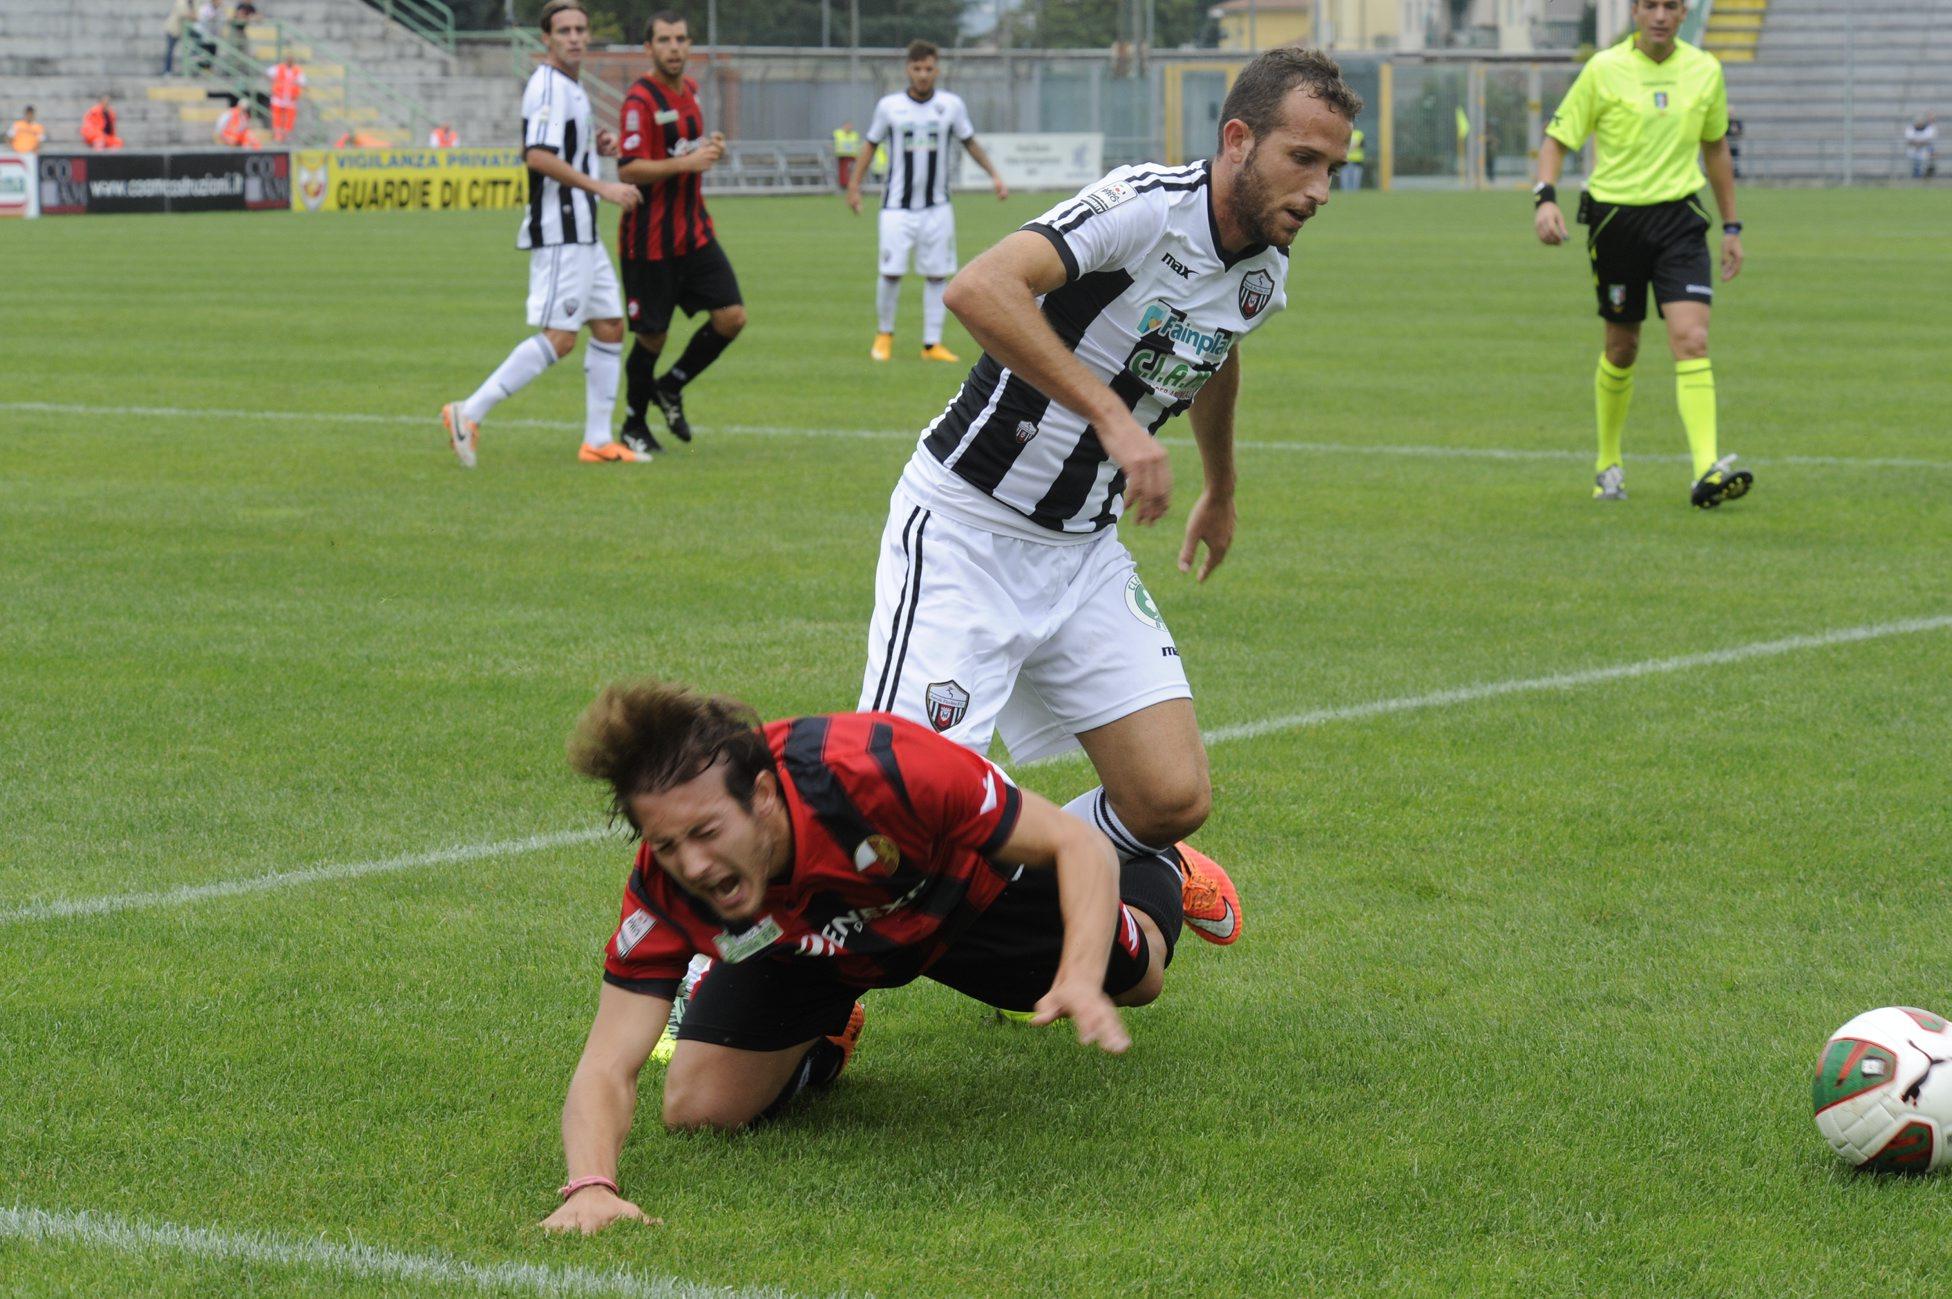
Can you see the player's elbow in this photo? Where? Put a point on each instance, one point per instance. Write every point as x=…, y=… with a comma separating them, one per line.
x=960, y=295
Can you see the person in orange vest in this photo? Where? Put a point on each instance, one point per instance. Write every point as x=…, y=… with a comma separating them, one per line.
x=234, y=128
x=98, y=126
x=360, y=140
x=443, y=137
x=26, y=134
x=287, y=84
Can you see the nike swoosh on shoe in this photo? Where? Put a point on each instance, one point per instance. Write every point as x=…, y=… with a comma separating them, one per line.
x=1221, y=928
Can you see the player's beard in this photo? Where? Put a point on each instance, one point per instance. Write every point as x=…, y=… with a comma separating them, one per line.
x=1250, y=205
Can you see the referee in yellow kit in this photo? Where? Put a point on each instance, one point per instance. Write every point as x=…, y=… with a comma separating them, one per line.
x=1653, y=101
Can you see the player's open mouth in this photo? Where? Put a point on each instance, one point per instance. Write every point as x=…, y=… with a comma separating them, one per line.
x=727, y=893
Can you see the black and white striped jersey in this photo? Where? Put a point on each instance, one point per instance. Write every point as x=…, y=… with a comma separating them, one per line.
x=556, y=117
x=1153, y=306
x=918, y=134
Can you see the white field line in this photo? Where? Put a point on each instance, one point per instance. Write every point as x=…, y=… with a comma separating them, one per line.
x=368, y=1262
x=1294, y=721
x=63, y=908
x=425, y=422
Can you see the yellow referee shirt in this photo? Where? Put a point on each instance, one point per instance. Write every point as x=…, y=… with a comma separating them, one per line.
x=1651, y=119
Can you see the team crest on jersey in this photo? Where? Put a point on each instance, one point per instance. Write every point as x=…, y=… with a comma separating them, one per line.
x=1617, y=295
x=877, y=853
x=631, y=140
x=1660, y=100
x=1025, y=431
x=1139, y=601
x=948, y=704
x=569, y=307
x=1256, y=291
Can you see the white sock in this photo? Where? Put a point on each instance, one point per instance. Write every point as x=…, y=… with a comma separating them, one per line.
x=530, y=358
x=887, y=293
x=932, y=312
x=1094, y=809
x=602, y=363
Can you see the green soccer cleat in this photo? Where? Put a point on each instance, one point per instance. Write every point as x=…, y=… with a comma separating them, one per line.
x=1722, y=482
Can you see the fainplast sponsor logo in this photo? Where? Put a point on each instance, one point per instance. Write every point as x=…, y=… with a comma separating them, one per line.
x=1159, y=318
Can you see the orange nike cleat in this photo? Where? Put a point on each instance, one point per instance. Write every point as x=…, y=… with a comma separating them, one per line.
x=884, y=347
x=937, y=352
x=850, y=1037
x=1212, y=906
x=462, y=433
x=610, y=453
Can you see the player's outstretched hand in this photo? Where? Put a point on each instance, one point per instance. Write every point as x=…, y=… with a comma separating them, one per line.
x=1550, y=223
x=1731, y=257
x=1212, y=522
x=1087, y=1006
x=624, y=196
x=592, y=1209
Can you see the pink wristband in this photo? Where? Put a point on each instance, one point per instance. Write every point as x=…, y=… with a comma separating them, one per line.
x=579, y=1183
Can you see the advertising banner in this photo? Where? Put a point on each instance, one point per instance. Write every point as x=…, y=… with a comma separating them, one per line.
x=409, y=180
x=1032, y=162
x=235, y=180
x=20, y=185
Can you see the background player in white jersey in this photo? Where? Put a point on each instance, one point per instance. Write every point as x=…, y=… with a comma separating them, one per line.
x=571, y=281
x=916, y=218
x=1004, y=600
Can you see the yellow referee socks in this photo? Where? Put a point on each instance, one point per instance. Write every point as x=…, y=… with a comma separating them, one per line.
x=1612, y=393
x=1694, y=393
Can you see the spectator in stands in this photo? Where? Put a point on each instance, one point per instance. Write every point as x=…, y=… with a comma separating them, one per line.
x=443, y=137
x=98, y=126
x=1352, y=169
x=287, y=85
x=361, y=140
x=26, y=134
x=182, y=15
x=210, y=21
x=1921, y=146
x=847, y=143
x=241, y=19
x=234, y=128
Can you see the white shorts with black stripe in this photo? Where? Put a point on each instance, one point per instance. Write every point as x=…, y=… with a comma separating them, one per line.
x=571, y=285
x=929, y=235
x=976, y=633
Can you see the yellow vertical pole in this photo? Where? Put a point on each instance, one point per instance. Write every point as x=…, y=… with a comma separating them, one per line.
x=1385, y=125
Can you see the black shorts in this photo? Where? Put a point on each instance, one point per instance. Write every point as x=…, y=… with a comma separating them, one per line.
x=1006, y=959
x=1663, y=244
x=698, y=281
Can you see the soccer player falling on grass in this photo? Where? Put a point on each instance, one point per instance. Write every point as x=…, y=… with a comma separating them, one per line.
x=671, y=255
x=1004, y=599
x=571, y=283
x=918, y=125
x=813, y=859
x=1655, y=102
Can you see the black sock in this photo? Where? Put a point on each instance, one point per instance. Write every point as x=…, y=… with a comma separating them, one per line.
x=818, y=1067
x=701, y=351
x=640, y=376
x=1152, y=885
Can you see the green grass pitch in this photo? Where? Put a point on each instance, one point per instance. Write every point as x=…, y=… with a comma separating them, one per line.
x=1532, y=983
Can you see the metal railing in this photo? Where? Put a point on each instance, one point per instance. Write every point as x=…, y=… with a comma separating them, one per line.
x=430, y=20
x=365, y=102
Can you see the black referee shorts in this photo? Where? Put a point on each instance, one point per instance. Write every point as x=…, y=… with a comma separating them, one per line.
x=698, y=281
x=1006, y=959
x=1664, y=245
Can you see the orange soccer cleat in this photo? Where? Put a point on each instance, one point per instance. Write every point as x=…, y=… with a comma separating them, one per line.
x=850, y=1037
x=884, y=347
x=1212, y=906
x=937, y=352
x=462, y=433
x=610, y=453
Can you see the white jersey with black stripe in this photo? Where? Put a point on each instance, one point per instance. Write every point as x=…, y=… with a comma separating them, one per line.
x=1153, y=306
x=556, y=117
x=918, y=133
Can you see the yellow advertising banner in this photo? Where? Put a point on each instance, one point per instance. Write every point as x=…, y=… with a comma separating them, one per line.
x=408, y=180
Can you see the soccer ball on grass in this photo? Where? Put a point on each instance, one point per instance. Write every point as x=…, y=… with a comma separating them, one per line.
x=1883, y=1090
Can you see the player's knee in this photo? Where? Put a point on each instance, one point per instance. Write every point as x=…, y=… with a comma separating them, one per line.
x=1623, y=353
x=692, y=1108
x=561, y=340
x=1145, y=991
x=653, y=342
x=1169, y=809
x=607, y=331
x=1691, y=343
x=728, y=321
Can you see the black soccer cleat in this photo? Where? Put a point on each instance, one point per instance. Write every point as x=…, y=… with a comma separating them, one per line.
x=637, y=435
x=671, y=401
x=1722, y=482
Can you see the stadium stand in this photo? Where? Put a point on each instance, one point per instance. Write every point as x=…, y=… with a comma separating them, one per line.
x=1831, y=88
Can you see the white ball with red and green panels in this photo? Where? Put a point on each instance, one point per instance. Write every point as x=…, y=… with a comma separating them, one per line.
x=1883, y=1091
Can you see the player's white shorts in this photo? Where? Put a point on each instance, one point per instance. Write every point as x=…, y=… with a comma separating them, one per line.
x=976, y=632
x=571, y=285
x=930, y=235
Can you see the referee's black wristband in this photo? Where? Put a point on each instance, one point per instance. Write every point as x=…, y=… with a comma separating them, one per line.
x=1544, y=192
x=1731, y=227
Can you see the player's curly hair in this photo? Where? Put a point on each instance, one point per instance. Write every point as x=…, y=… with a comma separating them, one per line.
x=1263, y=84
x=640, y=737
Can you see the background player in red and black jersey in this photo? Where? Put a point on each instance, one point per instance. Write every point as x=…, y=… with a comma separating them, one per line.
x=816, y=858
x=671, y=257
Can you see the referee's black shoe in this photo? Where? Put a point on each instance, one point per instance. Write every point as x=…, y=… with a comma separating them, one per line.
x=672, y=403
x=1722, y=482
x=637, y=435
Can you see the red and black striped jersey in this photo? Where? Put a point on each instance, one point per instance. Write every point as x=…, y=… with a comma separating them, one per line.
x=660, y=123
x=894, y=830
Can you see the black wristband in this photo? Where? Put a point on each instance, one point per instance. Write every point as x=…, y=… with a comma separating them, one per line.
x=1731, y=227
x=1544, y=192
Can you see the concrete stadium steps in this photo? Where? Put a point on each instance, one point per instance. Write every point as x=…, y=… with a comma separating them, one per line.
x=1734, y=28
x=1830, y=87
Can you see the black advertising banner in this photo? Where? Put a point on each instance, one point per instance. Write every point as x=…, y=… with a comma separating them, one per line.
x=235, y=180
